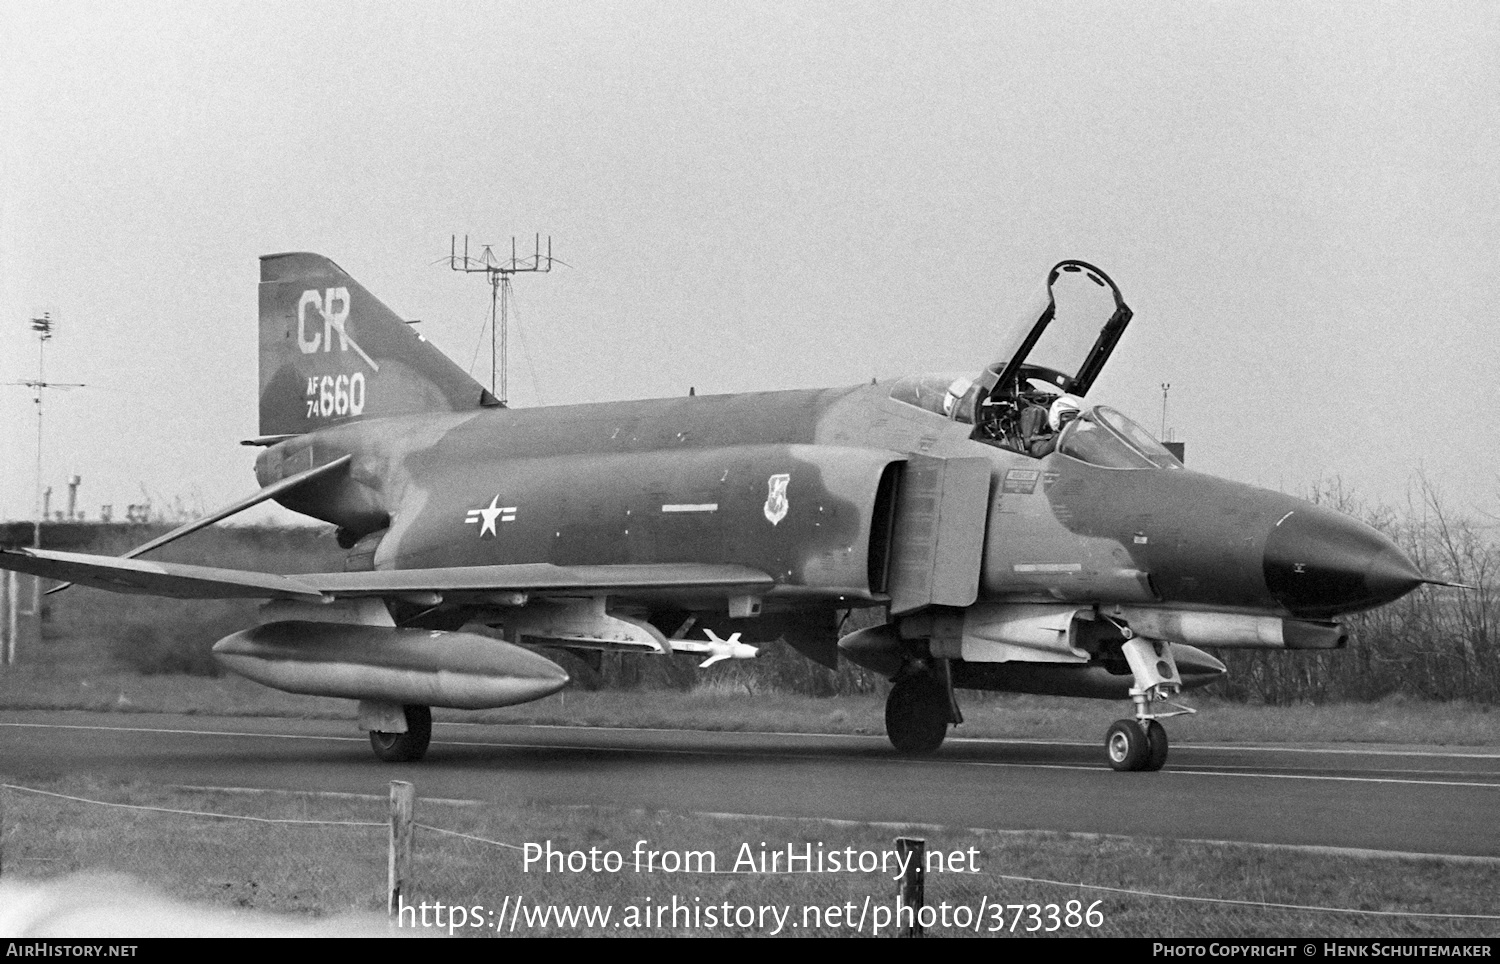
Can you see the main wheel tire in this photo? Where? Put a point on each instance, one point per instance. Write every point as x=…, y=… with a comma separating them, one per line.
x=1156, y=752
x=916, y=715
x=1126, y=745
x=409, y=746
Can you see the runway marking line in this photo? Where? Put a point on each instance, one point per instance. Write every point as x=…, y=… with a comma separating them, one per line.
x=1246, y=767
x=977, y=763
x=159, y=729
x=1001, y=741
x=1231, y=773
x=773, y=756
x=1254, y=748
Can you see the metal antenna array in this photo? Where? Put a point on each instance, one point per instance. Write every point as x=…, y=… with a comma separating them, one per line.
x=43, y=327
x=499, y=273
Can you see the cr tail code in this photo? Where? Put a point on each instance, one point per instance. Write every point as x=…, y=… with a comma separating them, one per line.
x=333, y=305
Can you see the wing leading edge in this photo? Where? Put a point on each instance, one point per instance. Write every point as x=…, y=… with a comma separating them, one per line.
x=185, y=581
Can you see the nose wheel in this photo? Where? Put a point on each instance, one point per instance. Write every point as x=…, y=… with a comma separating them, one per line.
x=1141, y=743
x=1133, y=745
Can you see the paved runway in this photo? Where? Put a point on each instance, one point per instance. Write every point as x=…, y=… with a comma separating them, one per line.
x=1429, y=800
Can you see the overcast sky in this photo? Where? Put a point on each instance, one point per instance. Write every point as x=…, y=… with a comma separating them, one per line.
x=1300, y=201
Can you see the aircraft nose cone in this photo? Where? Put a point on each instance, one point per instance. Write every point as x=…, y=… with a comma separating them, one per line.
x=1319, y=563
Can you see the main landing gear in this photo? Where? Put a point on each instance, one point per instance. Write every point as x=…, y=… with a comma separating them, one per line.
x=405, y=747
x=919, y=709
x=1141, y=743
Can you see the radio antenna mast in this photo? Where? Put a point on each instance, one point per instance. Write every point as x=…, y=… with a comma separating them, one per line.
x=499, y=274
x=42, y=325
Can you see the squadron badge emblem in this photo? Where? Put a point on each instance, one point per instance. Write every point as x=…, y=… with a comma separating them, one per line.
x=776, y=503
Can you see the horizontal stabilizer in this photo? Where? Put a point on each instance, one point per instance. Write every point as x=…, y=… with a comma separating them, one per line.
x=279, y=487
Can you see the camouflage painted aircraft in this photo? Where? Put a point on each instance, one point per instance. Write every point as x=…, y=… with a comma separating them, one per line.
x=1004, y=555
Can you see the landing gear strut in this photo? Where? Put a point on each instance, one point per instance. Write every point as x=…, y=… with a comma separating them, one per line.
x=409, y=746
x=1141, y=743
x=918, y=711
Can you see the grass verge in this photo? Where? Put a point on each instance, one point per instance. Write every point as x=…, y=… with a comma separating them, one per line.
x=310, y=872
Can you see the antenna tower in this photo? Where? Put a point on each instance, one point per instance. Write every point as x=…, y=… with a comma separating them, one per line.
x=42, y=325
x=499, y=274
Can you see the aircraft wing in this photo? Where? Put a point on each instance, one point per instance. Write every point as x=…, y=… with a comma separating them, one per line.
x=544, y=578
x=155, y=578
x=205, y=582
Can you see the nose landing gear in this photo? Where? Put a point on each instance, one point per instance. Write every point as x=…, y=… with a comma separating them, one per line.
x=1141, y=743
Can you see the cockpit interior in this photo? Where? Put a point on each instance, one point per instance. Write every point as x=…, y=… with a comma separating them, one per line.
x=1026, y=401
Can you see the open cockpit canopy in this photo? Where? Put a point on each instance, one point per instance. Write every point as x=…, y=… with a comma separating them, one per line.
x=1062, y=342
x=1058, y=347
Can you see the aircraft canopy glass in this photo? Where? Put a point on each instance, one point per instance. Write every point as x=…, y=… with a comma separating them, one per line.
x=1059, y=347
x=1106, y=438
x=1071, y=329
x=951, y=396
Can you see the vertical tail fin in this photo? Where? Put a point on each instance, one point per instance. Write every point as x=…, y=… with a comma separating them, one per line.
x=330, y=352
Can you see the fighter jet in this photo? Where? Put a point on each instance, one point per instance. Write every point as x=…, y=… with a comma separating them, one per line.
x=1010, y=536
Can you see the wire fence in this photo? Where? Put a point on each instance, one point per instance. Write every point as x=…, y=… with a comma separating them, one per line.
x=400, y=827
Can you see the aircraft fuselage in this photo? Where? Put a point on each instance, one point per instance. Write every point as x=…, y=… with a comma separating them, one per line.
x=694, y=479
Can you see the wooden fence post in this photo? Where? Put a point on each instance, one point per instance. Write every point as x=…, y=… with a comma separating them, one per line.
x=403, y=805
x=909, y=895
x=10, y=602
